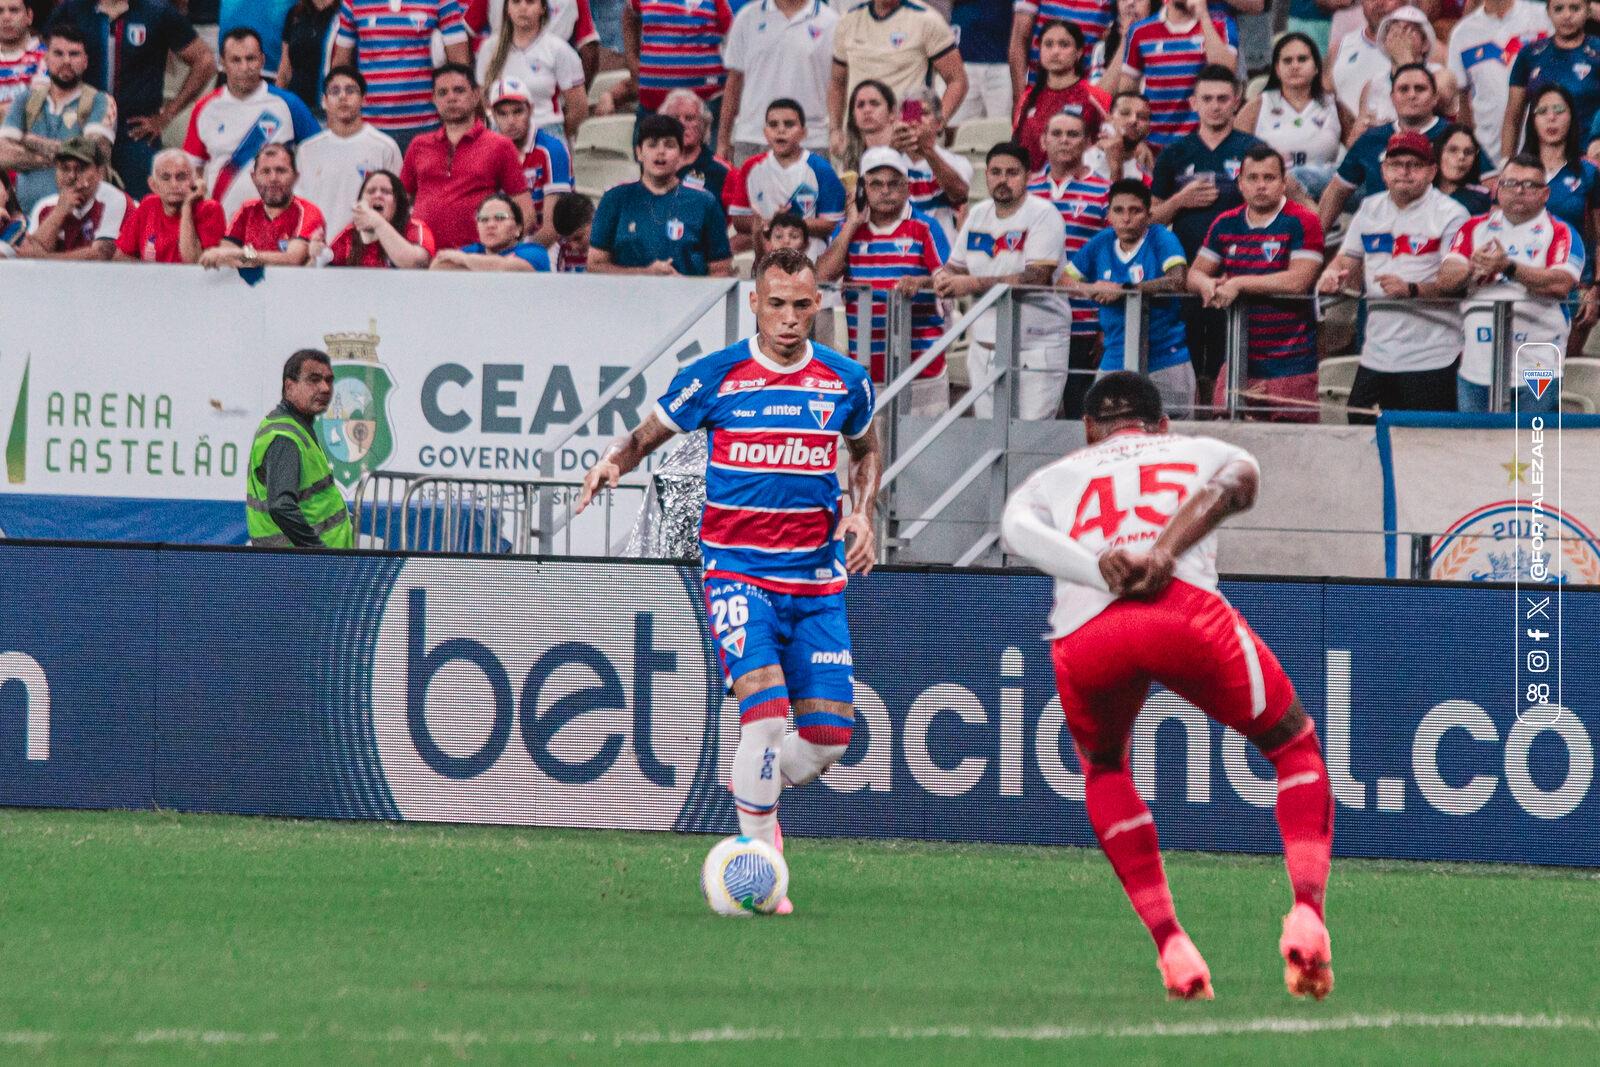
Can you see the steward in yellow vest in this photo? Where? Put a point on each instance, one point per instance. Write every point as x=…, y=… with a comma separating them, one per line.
x=291, y=497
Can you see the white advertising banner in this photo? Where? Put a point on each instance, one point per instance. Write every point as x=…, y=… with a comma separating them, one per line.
x=1503, y=504
x=129, y=395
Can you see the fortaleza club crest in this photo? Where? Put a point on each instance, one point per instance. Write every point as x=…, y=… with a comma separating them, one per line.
x=1538, y=379
x=356, y=431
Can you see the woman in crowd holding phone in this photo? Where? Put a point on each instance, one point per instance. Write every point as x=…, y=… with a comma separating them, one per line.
x=1058, y=88
x=940, y=180
x=382, y=232
x=868, y=122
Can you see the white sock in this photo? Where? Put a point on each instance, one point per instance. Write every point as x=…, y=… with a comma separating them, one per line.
x=757, y=777
x=804, y=761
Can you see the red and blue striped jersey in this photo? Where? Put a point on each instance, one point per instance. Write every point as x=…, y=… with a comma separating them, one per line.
x=393, y=42
x=1093, y=17
x=548, y=167
x=680, y=47
x=18, y=70
x=772, y=463
x=1281, y=338
x=1169, y=62
x=1083, y=201
x=914, y=248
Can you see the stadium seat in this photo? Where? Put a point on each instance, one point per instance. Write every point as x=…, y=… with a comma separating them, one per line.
x=602, y=170
x=1255, y=87
x=611, y=134
x=974, y=139
x=1580, y=381
x=604, y=81
x=1337, y=373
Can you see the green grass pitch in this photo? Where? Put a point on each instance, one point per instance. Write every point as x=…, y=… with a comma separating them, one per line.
x=154, y=938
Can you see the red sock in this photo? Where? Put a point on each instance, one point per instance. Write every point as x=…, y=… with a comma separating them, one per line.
x=1305, y=816
x=1127, y=836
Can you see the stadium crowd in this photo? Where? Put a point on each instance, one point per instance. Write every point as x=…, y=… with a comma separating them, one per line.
x=1432, y=158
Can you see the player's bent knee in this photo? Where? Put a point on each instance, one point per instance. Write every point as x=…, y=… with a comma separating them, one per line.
x=825, y=735
x=1290, y=725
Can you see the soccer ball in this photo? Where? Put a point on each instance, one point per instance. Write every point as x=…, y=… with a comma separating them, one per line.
x=743, y=876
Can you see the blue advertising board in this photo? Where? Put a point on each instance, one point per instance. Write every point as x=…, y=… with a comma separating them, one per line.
x=573, y=693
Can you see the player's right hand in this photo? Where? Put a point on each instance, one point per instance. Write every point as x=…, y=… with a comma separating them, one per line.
x=603, y=475
x=1118, y=567
x=1154, y=574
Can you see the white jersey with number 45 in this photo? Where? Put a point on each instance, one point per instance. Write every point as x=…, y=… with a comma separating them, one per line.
x=1121, y=493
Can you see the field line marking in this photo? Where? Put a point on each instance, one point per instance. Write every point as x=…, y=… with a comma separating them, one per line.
x=769, y=1035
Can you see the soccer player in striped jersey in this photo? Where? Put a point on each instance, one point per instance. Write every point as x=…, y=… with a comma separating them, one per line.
x=1081, y=196
x=888, y=246
x=774, y=542
x=1270, y=245
x=1126, y=527
x=1165, y=54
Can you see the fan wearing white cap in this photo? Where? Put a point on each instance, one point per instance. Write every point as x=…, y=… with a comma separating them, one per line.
x=1406, y=36
x=884, y=246
x=526, y=49
x=545, y=159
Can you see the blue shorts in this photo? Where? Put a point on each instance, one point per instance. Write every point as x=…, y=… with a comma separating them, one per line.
x=807, y=636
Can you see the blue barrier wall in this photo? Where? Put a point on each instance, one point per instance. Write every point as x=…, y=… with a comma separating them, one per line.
x=583, y=694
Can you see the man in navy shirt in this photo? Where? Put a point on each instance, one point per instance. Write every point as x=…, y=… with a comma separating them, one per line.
x=129, y=41
x=1415, y=95
x=657, y=225
x=983, y=36
x=1196, y=179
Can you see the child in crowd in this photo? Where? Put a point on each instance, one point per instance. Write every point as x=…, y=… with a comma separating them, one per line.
x=571, y=217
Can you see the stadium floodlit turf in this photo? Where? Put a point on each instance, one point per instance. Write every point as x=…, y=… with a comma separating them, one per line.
x=136, y=937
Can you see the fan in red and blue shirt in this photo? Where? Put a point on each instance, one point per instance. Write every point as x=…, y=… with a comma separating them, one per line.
x=1163, y=62
x=19, y=69
x=392, y=43
x=1277, y=245
x=890, y=243
x=680, y=47
x=1093, y=17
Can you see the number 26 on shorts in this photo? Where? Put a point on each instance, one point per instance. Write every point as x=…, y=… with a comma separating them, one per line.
x=729, y=612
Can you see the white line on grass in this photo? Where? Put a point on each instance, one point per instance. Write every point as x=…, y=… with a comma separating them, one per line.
x=774, y=1035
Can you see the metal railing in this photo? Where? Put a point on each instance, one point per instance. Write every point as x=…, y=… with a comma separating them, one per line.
x=414, y=512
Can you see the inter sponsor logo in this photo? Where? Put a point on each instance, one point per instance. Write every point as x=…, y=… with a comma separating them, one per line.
x=781, y=409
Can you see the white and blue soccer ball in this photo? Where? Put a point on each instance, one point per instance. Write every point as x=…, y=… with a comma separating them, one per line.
x=744, y=876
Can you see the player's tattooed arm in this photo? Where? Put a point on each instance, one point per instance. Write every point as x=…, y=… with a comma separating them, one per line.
x=866, y=471
x=1230, y=491
x=622, y=456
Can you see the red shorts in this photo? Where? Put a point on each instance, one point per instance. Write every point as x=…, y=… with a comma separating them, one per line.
x=1190, y=640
